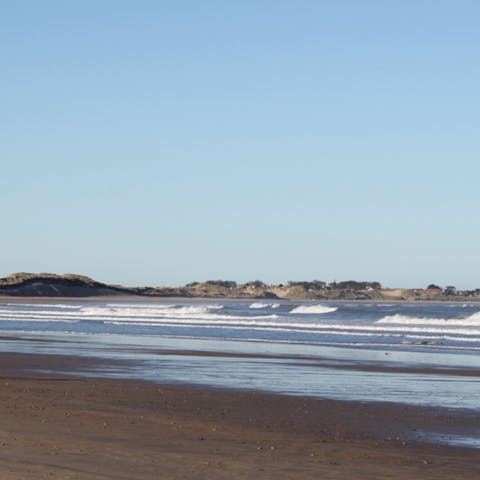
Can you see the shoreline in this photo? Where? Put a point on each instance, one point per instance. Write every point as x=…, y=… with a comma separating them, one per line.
x=57, y=423
x=166, y=299
x=124, y=407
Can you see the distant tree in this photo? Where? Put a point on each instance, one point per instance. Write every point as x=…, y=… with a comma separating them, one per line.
x=313, y=285
x=318, y=284
x=256, y=284
x=222, y=283
x=432, y=286
x=353, y=285
x=290, y=283
x=450, y=290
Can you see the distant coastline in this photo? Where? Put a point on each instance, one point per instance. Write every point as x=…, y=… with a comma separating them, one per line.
x=70, y=285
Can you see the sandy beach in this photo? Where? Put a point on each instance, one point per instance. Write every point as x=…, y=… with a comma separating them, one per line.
x=63, y=426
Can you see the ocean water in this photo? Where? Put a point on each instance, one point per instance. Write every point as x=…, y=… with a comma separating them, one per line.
x=402, y=326
x=353, y=351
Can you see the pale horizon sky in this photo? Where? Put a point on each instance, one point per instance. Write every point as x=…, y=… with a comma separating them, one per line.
x=164, y=142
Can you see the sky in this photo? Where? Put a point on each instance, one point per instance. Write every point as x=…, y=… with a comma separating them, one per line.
x=163, y=142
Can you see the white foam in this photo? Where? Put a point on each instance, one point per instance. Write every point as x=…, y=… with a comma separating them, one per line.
x=163, y=311
x=313, y=309
x=470, y=321
x=108, y=315
x=141, y=305
x=37, y=318
x=255, y=305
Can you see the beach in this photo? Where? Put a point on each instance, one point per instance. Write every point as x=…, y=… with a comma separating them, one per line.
x=58, y=425
x=110, y=389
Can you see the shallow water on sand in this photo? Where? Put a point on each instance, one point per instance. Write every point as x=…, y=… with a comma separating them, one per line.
x=417, y=378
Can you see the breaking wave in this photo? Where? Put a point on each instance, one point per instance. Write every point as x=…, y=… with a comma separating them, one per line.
x=170, y=313
x=313, y=309
x=256, y=305
x=470, y=321
x=150, y=312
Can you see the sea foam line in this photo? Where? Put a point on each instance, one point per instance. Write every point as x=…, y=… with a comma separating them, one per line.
x=200, y=318
x=128, y=312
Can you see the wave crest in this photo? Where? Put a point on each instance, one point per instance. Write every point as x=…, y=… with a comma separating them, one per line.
x=256, y=305
x=313, y=309
x=470, y=321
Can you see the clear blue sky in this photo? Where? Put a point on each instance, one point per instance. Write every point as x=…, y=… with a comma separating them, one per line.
x=162, y=142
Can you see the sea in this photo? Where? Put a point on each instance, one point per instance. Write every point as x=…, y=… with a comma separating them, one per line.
x=413, y=353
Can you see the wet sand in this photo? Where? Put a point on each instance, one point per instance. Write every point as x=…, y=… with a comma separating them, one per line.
x=62, y=426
